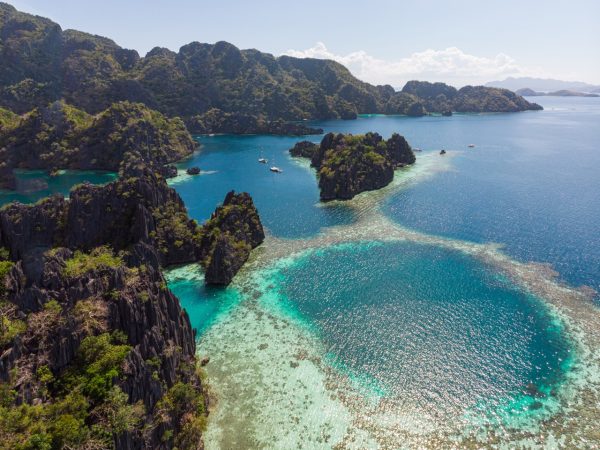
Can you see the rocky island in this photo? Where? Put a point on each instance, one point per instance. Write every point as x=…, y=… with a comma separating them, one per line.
x=348, y=165
x=95, y=351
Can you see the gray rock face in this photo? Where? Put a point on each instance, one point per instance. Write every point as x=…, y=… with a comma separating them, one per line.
x=231, y=233
x=131, y=299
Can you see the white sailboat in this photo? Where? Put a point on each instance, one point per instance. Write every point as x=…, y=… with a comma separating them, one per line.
x=275, y=169
x=262, y=159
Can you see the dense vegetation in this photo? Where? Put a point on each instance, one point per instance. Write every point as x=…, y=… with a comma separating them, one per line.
x=217, y=121
x=75, y=375
x=42, y=63
x=348, y=165
x=61, y=136
x=95, y=351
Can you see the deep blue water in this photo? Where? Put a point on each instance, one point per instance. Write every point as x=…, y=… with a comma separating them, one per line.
x=286, y=201
x=432, y=328
x=531, y=183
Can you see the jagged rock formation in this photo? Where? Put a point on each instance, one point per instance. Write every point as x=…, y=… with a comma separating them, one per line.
x=92, y=342
x=232, y=232
x=101, y=337
x=304, y=149
x=139, y=207
x=60, y=136
x=43, y=63
x=348, y=165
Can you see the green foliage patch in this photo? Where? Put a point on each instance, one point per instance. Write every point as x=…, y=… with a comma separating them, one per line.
x=99, y=258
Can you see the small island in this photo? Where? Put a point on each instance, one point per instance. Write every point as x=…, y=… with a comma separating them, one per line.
x=350, y=164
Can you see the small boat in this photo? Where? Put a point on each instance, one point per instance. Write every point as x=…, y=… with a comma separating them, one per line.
x=471, y=145
x=275, y=169
x=417, y=150
x=263, y=160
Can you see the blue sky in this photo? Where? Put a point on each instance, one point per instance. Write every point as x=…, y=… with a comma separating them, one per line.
x=381, y=41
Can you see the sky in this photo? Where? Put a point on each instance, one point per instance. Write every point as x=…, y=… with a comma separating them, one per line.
x=381, y=41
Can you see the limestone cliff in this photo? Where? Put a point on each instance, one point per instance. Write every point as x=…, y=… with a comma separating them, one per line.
x=95, y=351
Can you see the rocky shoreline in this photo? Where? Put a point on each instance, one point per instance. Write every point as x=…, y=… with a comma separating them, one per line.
x=90, y=329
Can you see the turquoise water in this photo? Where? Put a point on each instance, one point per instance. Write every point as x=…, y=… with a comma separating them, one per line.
x=202, y=303
x=33, y=185
x=432, y=329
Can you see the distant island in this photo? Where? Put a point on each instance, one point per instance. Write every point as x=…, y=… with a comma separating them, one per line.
x=526, y=92
x=348, y=165
x=544, y=85
x=214, y=88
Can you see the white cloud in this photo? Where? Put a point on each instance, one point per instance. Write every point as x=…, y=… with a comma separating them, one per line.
x=451, y=65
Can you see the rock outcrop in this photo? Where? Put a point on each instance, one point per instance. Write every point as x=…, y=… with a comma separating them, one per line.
x=99, y=333
x=304, y=149
x=79, y=300
x=229, y=235
x=348, y=165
